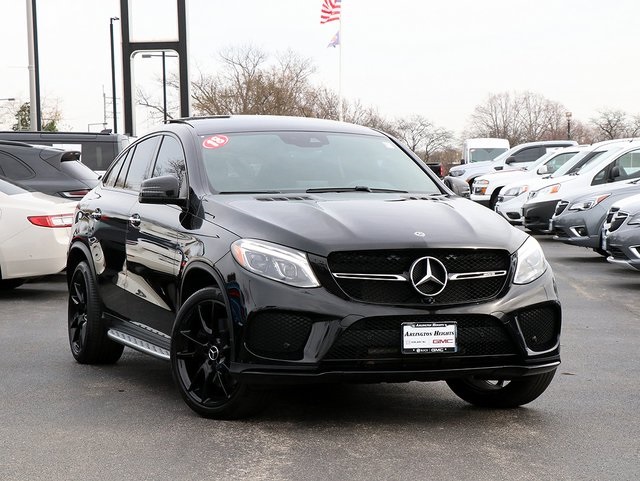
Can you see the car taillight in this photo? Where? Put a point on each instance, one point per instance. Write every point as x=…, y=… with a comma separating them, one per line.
x=74, y=194
x=63, y=220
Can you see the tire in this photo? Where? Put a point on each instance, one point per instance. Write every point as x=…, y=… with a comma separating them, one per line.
x=9, y=284
x=501, y=393
x=494, y=198
x=200, y=358
x=87, y=333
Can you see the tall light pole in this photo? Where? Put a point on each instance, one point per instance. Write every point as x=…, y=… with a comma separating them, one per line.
x=568, y=115
x=113, y=76
x=34, y=68
x=164, y=78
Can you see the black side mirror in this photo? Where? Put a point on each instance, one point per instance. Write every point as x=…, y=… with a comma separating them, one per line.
x=161, y=190
x=510, y=160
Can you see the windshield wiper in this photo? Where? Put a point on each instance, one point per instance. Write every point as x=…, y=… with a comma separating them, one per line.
x=357, y=188
x=230, y=192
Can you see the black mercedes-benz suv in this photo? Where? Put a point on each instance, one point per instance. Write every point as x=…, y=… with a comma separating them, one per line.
x=254, y=250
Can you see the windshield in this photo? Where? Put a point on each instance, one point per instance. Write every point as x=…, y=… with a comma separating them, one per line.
x=480, y=154
x=553, y=161
x=301, y=161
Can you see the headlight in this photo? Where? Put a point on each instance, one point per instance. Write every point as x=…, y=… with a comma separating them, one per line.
x=552, y=189
x=275, y=262
x=589, y=203
x=516, y=191
x=480, y=186
x=456, y=173
x=531, y=262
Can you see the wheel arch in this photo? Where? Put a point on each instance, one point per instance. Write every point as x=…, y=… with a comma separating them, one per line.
x=199, y=275
x=78, y=252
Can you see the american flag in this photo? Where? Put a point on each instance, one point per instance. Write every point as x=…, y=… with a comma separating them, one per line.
x=330, y=11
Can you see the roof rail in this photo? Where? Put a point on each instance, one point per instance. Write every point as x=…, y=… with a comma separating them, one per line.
x=184, y=120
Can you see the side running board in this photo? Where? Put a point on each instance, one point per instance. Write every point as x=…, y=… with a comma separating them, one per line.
x=138, y=344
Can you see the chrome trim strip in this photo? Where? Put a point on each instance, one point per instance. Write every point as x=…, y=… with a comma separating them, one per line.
x=476, y=275
x=370, y=277
x=150, y=329
x=463, y=276
x=139, y=344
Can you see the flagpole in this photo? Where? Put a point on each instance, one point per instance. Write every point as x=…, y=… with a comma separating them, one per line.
x=340, y=105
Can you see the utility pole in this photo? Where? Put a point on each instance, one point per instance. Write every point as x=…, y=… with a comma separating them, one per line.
x=113, y=77
x=34, y=74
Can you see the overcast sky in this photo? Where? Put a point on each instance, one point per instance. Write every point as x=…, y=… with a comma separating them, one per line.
x=436, y=58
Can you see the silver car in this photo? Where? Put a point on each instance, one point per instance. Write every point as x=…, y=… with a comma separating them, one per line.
x=578, y=219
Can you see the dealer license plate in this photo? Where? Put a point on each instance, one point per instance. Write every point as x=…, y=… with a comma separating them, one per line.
x=426, y=337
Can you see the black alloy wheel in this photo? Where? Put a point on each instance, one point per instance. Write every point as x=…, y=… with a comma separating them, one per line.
x=501, y=393
x=87, y=335
x=200, y=359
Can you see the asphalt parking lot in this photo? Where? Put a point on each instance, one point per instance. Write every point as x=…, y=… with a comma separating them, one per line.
x=65, y=421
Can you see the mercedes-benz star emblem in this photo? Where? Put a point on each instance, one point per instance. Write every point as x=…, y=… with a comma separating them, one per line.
x=428, y=276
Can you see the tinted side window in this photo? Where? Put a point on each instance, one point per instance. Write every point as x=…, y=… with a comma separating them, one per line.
x=171, y=162
x=530, y=154
x=141, y=162
x=112, y=175
x=13, y=168
x=628, y=166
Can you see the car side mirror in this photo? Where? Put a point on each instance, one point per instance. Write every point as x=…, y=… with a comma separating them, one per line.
x=543, y=169
x=510, y=160
x=161, y=190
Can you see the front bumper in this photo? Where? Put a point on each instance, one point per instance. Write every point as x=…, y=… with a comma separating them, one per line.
x=476, y=196
x=579, y=228
x=511, y=208
x=288, y=335
x=537, y=215
x=624, y=247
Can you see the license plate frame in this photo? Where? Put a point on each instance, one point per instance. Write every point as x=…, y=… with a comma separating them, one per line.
x=429, y=337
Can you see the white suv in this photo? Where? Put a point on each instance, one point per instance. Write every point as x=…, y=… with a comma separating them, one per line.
x=515, y=158
x=486, y=188
x=617, y=165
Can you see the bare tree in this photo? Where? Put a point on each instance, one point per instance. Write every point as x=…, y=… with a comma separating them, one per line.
x=518, y=117
x=615, y=124
x=422, y=136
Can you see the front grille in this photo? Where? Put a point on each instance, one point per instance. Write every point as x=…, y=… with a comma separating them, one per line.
x=618, y=220
x=540, y=327
x=401, y=291
x=278, y=334
x=380, y=337
x=611, y=213
x=561, y=206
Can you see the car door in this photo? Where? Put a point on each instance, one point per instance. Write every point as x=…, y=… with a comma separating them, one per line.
x=153, y=252
x=104, y=217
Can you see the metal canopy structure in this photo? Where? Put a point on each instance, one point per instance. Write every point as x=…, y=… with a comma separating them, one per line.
x=129, y=48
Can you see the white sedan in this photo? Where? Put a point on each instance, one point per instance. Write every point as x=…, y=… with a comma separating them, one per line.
x=34, y=234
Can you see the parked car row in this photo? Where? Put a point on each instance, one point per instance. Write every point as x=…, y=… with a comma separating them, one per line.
x=587, y=196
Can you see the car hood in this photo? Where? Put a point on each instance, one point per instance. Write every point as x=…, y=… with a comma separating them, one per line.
x=321, y=224
x=616, y=188
x=507, y=176
x=471, y=165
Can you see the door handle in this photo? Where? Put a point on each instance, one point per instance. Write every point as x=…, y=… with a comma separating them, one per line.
x=134, y=220
x=96, y=214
